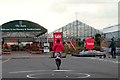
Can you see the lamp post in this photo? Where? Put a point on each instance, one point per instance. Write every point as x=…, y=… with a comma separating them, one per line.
x=39, y=41
x=91, y=31
x=76, y=27
x=76, y=15
x=47, y=36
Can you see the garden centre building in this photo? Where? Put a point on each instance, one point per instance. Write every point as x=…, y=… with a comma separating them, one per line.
x=23, y=33
x=72, y=31
x=76, y=30
x=112, y=31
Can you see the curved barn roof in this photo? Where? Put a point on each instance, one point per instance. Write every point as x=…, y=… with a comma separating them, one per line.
x=22, y=28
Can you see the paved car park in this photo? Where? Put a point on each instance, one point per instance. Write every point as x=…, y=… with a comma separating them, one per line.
x=43, y=66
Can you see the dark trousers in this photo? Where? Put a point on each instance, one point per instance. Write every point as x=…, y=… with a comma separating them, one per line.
x=113, y=52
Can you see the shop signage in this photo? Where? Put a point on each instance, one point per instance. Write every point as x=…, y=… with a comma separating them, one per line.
x=90, y=43
x=22, y=26
x=57, y=35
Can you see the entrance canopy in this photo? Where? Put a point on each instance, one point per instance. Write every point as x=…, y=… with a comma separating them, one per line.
x=21, y=30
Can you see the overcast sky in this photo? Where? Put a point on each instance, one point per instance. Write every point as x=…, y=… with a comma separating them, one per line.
x=53, y=14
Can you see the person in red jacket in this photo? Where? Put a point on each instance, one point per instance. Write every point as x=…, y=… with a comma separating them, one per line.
x=58, y=48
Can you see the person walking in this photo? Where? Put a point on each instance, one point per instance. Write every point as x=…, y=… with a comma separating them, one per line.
x=113, y=48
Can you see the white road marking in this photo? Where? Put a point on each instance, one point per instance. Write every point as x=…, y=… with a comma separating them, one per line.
x=109, y=60
x=62, y=70
x=87, y=75
x=53, y=74
x=115, y=61
x=5, y=61
x=37, y=71
x=66, y=75
x=94, y=58
x=29, y=71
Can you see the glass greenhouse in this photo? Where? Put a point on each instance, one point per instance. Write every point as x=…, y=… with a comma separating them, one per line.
x=75, y=31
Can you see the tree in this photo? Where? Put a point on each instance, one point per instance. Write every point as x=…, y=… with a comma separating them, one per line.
x=97, y=39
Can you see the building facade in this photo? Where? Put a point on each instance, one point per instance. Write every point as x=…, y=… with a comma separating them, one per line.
x=112, y=31
x=76, y=30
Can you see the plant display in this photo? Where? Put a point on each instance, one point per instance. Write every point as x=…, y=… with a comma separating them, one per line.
x=70, y=50
x=34, y=48
x=66, y=48
x=6, y=48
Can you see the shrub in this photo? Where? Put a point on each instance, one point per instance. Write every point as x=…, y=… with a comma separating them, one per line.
x=6, y=50
x=97, y=48
x=34, y=48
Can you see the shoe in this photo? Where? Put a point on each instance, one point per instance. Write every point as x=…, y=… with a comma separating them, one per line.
x=58, y=68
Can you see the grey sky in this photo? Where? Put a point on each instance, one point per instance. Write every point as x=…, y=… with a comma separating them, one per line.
x=53, y=14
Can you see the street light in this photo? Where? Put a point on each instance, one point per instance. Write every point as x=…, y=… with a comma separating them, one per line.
x=76, y=26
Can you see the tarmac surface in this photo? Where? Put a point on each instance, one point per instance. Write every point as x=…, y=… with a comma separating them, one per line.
x=34, y=66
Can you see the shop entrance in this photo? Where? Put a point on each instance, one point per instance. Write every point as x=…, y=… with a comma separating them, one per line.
x=23, y=35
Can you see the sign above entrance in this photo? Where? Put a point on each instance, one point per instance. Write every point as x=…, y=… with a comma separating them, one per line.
x=22, y=26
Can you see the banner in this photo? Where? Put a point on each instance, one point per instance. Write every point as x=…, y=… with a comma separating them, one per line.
x=90, y=43
x=57, y=35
